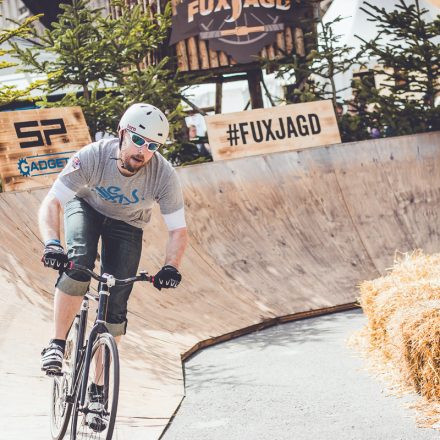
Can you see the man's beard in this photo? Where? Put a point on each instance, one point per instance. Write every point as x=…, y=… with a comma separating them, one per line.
x=125, y=163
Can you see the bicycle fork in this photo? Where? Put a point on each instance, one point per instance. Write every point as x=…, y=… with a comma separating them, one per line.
x=98, y=328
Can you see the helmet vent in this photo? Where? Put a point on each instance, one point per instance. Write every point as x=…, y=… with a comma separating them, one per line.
x=149, y=113
x=141, y=126
x=160, y=117
x=160, y=134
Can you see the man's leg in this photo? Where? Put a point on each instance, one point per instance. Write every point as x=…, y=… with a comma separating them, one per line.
x=65, y=308
x=82, y=231
x=121, y=252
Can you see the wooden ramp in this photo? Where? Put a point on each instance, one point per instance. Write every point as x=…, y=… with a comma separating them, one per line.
x=273, y=238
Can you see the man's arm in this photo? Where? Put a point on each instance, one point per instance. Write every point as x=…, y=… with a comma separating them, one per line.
x=177, y=241
x=49, y=218
x=49, y=223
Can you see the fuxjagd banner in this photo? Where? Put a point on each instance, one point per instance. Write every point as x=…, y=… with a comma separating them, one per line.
x=35, y=145
x=241, y=28
x=288, y=127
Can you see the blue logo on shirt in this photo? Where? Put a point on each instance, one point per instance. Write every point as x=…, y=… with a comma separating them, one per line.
x=113, y=194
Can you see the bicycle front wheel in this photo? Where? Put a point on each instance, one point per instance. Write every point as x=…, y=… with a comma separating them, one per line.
x=96, y=420
x=60, y=408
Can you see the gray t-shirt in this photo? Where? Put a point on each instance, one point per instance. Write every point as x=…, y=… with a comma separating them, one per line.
x=92, y=173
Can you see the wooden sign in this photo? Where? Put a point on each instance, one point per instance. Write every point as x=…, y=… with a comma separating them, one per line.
x=35, y=145
x=241, y=28
x=289, y=127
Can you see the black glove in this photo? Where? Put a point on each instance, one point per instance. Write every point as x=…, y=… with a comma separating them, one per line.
x=54, y=256
x=167, y=278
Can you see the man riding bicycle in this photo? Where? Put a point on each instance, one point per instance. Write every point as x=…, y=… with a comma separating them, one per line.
x=107, y=190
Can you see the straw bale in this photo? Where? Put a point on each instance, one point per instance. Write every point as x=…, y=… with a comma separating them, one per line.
x=414, y=278
x=406, y=324
x=421, y=335
x=403, y=329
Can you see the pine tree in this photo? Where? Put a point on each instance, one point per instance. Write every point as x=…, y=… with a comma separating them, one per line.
x=10, y=94
x=408, y=60
x=102, y=59
x=140, y=34
x=314, y=76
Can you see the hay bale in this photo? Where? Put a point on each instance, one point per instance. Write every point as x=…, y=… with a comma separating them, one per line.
x=415, y=278
x=421, y=334
x=403, y=329
x=414, y=347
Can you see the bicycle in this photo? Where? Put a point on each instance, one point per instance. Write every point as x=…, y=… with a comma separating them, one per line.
x=94, y=359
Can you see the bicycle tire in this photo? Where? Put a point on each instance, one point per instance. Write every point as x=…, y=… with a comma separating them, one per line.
x=60, y=410
x=80, y=429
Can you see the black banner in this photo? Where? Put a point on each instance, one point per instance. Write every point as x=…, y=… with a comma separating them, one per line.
x=241, y=28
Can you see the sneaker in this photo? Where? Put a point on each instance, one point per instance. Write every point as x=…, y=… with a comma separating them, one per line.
x=52, y=358
x=95, y=418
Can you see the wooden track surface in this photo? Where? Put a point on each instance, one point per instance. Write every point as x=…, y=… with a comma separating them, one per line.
x=271, y=236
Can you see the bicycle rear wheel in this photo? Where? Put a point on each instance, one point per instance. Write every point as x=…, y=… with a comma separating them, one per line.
x=90, y=422
x=60, y=409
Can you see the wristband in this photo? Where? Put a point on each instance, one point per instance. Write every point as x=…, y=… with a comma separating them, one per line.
x=170, y=265
x=52, y=242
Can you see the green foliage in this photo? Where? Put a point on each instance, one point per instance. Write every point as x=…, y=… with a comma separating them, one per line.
x=10, y=94
x=353, y=127
x=184, y=153
x=409, y=63
x=314, y=73
x=100, y=61
x=314, y=77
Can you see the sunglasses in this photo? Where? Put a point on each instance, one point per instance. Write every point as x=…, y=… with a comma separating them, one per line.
x=140, y=142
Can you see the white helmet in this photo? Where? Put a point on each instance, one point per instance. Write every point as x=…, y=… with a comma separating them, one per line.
x=147, y=121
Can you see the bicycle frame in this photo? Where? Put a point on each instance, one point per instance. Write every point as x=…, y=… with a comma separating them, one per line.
x=83, y=354
x=98, y=328
x=80, y=356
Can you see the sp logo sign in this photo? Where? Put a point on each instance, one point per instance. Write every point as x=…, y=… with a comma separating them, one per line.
x=41, y=136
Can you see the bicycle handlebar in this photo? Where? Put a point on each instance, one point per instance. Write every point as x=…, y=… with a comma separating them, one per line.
x=110, y=280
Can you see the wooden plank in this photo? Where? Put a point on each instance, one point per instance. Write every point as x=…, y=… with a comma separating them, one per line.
x=204, y=56
x=223, y=59
x=267, y=324
x=193, y=54
x=174, y=4
x=213, y=58
x=290, y=127
x=218, y=97
x=289, y=40
x=270, y=52
x=36, y=144
x=281, y=44
x=299, y=42
x=112, y=10
x=254, y=85
x=182, y=57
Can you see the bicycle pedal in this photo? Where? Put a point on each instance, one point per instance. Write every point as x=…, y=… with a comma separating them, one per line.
x=54, y=373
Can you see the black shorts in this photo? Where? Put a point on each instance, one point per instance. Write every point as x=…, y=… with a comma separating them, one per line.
x=121, y=246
